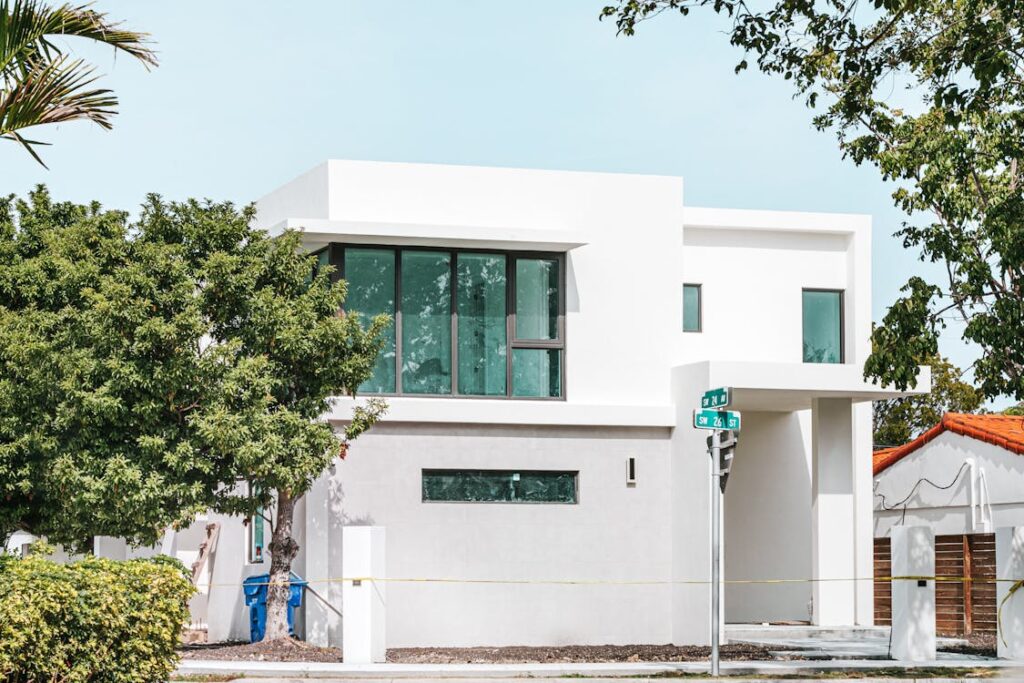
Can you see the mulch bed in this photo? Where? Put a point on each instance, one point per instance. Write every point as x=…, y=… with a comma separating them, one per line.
x=280, y=650
x=572, y=654
x=288, y=650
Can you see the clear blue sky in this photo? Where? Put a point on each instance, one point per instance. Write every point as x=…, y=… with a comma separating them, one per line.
x=249, y=94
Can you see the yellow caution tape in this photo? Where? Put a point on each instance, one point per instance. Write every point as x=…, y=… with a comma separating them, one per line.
x=999, y=612
x=633, y=582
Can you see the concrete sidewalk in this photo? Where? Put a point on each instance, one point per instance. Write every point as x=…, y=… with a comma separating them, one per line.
x=1008, y=670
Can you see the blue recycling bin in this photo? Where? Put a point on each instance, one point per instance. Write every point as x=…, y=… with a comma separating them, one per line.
x=255, y=590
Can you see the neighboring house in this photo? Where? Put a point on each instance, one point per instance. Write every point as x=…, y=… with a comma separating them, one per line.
x=963, y=478
x=553, y=332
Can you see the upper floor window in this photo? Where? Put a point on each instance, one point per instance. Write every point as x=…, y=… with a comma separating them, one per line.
x=823, y=326
x=465, y=323
x=691, y=308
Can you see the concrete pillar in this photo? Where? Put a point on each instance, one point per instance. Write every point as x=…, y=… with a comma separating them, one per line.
x=1009, y=569
x=863, y=514
x=833, y=528
x=691, y=509
x=364, y=600
x=109, y=547
x=913, y=601
x=316, y=545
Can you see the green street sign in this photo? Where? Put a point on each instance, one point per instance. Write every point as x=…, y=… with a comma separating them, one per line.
x=716, y=419
x=716, y=398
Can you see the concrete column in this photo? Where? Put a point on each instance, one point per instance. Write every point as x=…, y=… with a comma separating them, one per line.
x=864, y=515
x=691, y=509
x=1009, y=569
x=364, y=600
x=913, y=601
x=833, y=529
x=109, y=547
x=316, y=546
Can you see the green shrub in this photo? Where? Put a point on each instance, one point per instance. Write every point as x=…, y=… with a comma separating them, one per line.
x=91, y=621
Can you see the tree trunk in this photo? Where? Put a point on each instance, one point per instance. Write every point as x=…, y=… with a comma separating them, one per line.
x=282, y=551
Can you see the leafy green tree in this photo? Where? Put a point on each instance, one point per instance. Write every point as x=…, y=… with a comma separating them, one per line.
x=1016, y=410
x=151, y=369
x=930, y=92
x=899, y=420
x=39, y=83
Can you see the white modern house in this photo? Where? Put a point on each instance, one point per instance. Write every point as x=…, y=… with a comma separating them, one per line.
x=963, y=479
x=553, y=332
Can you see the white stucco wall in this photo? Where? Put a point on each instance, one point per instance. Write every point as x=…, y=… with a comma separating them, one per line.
x=615, y=533
x=768, y=519
x=949, y=511
x=623, y=296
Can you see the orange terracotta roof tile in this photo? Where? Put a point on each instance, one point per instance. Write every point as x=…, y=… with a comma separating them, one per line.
x=1005, y=431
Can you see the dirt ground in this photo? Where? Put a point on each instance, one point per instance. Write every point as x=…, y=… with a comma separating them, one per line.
x=983, y=644
x=280, y=650
x=572, y=654
x=288, y=650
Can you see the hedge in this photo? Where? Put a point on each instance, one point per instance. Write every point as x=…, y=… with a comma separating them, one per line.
x=91, y=621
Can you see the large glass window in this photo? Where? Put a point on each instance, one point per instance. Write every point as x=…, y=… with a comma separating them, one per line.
x=480, y=300
x=371, y=291
x=536, y=299
x=691, y=308
x=536, y=372
x=499, y=486
x=468, y=323
x=823, y=326
x=426, y=322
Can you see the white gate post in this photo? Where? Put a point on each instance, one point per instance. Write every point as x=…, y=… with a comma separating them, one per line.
x=1010, y=568
x=913, y=600
x=363, y=600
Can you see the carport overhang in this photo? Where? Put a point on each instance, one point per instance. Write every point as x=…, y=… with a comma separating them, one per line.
x=785, y=387
x=834, y=435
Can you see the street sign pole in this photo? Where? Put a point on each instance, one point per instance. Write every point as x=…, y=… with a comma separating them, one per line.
x=716, y=540
x=713, y=417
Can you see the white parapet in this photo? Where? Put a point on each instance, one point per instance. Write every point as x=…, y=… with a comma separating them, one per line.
x=1009, y=570
x=913, y=600
x=363, y=598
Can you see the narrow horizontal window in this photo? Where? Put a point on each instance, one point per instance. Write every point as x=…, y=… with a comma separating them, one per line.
x=691, y=308
x=499, y=486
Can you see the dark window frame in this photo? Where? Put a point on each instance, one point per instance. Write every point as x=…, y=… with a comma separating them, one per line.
x=842, y=323
x=575, y=474
x=700, y=307
x=336, y=258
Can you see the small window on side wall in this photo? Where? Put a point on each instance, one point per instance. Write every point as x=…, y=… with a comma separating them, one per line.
x=691, y=308
x=822, y=326
x=258, y=538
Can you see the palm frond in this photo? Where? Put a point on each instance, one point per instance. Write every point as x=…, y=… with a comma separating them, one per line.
x=53, y=92
x=27, y=26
